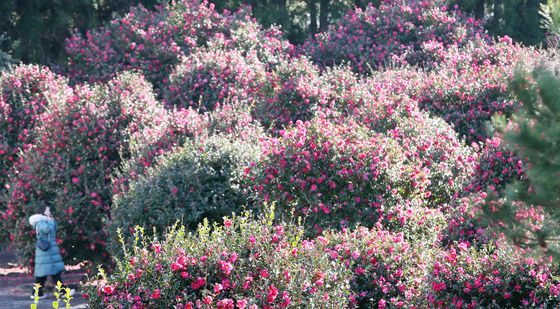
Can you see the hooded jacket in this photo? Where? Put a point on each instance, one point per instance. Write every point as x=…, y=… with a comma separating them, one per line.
x=47, y=263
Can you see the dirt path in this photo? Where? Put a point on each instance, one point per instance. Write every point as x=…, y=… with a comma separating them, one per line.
x=16, y=285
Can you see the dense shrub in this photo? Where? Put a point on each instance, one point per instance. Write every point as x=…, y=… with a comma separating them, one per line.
x=174, y=128
x=334, y=174
x=247, y=36
x=245, y=263
x=26, y=91
x=442, y=164
x=469, y=277
x=154, y=42
x=470, y=85
x=200, y=180
x=340, y=171
x=386, y=271
x=394, y=32
x=205, y=79
x=177, y=127
x=70, y=165
x=149, y=41
x=496, y=166
x=464, y=222
x=293, y=92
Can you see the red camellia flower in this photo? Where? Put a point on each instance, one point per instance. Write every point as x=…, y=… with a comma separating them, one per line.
x=108, y=289
x=198, y=283
x=272, y=294
x=156, y=294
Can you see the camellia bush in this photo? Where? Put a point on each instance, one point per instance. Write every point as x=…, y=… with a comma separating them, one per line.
x=199, y=180
x=205, y=79
x=393, y=33
x=70, y=165
x=293, y=92
x=149, y=41
x=334, y=174
x=26, y=93
x=154, y=42
x=244, y=263
x=470, y=85
x=386, y=271
x=469, y=277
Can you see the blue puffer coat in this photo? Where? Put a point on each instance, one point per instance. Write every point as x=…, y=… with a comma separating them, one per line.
x=47, y=263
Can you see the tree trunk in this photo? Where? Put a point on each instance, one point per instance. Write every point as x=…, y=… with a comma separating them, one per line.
x=312, y=16
x=479, y=9
x=283, y=11
x=324, y=15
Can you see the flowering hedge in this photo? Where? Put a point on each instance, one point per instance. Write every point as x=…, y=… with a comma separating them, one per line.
x=244, y=263
x=395, y=32
x=340, y=173
x=386, y=271
x=69, y=166
x=149, y=41
x=200, y=180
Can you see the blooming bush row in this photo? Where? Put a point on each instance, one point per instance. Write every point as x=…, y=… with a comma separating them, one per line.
x=343, y=173
x=243, y=263
x=256, y=263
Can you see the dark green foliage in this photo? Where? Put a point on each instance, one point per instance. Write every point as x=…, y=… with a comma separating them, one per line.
x=519, y=19
x=200, y=180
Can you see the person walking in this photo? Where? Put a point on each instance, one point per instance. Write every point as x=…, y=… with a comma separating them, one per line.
x=48, y=261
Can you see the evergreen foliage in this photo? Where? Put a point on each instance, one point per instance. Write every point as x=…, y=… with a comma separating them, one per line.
x=530, y=209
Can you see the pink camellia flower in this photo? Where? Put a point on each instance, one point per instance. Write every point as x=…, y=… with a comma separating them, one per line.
x=241, y=303
x=174, y=190
x=226, y=267
x=438, y=286
x=156, y=248
x=227, y=222
x=208, y=300
x=156, y=294
x=218, y=288
x=382, y=304
x=285, y=300
x=225, y=303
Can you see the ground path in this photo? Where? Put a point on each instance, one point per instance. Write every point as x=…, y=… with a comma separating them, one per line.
x=16, y=284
